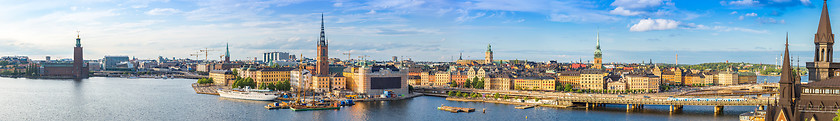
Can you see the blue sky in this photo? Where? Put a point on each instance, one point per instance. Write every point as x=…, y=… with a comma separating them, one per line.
x=424, y=30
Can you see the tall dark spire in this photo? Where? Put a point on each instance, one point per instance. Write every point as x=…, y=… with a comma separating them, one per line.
x=786, y=74
x=323, y=39
x=824, y=34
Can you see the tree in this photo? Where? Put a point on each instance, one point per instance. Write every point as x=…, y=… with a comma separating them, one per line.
x=450, y=93
x=836, y=118
x=272, y=86
x=495, y=95
x=568, y=88
x=453, y=84
x=468, y=84
x=479, y=84
x=410, y=89
x=205, y=81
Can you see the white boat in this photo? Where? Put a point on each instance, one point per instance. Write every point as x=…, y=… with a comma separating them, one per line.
x=247, y=94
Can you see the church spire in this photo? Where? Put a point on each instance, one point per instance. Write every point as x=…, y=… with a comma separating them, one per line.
x=323, y=39
x=598, y=44
x=824, y=34
x=227, y=53
x=488, y=48
x=786, y=74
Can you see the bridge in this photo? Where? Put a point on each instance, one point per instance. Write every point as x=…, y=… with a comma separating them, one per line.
x=710, y=96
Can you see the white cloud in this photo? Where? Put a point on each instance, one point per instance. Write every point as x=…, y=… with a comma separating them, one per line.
x=733, y=12
x=638, y=4
x=728, y=29
x=741, y=3
x=371, y=12
x=654, y=24
x=163, y=11
x=467, y=17
x=623, y=12
x=751, y=14
x=338, y=4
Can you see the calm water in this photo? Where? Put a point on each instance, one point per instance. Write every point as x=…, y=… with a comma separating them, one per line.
x=173, y=99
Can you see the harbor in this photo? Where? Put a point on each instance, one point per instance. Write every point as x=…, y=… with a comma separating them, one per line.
x=174, y=99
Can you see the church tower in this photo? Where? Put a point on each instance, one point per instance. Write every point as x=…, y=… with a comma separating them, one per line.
x=785, y=108
x=322, y=66
x=823, y=49
x=488, y=56
x=227, y=53
x=597, y=64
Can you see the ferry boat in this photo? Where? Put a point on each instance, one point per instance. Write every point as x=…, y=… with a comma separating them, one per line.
x=248, y=94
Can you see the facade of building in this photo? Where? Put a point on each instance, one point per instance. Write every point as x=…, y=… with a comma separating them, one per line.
x=266, y=75
x=727, y=78
x=300, y=78
x=643, y=82
x=374, y=80
x=116, y=63
x=269, y=57
x=542, y=83
x=499, y=82
x=617, y=85
x=442, y=78
x=569, y=77
x=592, y=79
x=427, y=78
x=222, y=77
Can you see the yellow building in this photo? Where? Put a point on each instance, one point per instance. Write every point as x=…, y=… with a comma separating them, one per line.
x=498, y=82
x=592, y=79
x=442, y=79
x=329, y=82
x=642, y=82
x=569, y=77
x=222, y=77
x=427, y=78
x=617, y=85
x=534, y=83
x=266, y=75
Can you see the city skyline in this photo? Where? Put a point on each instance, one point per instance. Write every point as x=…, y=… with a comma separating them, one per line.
x=631, y=31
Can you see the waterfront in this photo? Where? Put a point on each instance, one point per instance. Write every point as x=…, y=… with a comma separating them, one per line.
x=102, y=98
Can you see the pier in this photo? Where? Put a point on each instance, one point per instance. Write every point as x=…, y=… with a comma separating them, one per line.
x=205, y=89
x=456, y=109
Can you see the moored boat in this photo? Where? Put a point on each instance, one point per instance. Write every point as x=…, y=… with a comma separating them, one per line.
x=248, y=94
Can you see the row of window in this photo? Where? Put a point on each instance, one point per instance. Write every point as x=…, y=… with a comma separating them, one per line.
x=821, y=91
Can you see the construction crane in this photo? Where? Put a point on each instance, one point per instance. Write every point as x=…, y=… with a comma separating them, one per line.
x=363, y=57
x=206, y=52
x=196, y=55
x=348, y=55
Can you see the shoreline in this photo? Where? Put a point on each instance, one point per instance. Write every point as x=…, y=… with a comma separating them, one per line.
x=506, y=102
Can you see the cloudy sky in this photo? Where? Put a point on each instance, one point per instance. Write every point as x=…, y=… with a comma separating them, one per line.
x=424, y=30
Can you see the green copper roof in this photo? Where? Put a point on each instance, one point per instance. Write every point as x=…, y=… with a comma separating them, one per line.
x=227, y=50
x=488, y=48
x=598, y=45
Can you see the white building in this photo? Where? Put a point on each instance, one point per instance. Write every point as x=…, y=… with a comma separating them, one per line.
x=300, y=78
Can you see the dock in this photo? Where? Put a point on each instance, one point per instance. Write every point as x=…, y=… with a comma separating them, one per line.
x=525, y=106
x=205, y=89
x=456, y=109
